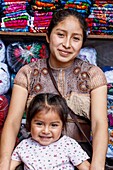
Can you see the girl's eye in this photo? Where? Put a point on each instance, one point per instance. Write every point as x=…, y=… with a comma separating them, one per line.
x=39, y=123
x=54, y=125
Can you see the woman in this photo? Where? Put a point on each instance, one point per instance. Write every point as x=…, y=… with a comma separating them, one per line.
x=80, y=83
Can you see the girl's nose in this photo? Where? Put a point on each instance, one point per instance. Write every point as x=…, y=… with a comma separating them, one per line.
x=46, y=130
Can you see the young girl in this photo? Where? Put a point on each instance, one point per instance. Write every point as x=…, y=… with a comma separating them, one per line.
x=47, y=149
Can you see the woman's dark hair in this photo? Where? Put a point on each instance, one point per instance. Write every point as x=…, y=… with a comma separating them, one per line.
x=61, y=14
x=46, y=102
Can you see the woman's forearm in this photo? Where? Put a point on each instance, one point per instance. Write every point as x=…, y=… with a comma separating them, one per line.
x=7, y=144
x=100, y=145
x=12, y=125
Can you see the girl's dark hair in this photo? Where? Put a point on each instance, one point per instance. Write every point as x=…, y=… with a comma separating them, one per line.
x=61, y=14
x=46, y=102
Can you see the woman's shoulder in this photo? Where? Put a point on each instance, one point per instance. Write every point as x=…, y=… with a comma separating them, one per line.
x=81, y=63
x=40, y=63
x=84, y=65
x=96, y=75
x=23, y=77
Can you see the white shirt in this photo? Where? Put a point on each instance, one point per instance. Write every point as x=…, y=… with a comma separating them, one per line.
x=63, y=154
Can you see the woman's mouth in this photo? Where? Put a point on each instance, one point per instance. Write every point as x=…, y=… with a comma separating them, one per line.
x=64, y=53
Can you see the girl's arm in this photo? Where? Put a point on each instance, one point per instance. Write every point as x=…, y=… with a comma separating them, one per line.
x=99, y=127
x=12, y=125
x=14, y=164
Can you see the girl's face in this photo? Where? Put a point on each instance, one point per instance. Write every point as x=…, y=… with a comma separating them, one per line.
x=65, y=42
x=46, y=128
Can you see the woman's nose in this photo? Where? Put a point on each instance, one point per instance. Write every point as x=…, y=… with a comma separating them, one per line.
x=66, y=42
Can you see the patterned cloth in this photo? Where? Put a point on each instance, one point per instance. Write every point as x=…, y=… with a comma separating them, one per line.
x=63, y=154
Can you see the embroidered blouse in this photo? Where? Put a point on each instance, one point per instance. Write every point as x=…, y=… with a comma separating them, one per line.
x=75, y=82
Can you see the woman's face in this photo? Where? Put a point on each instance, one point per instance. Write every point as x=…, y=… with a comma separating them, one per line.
x=65, y=42
x=46, y=128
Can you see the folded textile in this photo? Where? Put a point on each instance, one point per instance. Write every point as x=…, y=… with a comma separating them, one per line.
x=4, y=78
x=19, y=54
x=4, y=105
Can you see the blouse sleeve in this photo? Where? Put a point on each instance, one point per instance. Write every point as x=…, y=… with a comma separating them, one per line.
x=97, y=77
x=75, y=152
x=23, y=77
x=16, y=155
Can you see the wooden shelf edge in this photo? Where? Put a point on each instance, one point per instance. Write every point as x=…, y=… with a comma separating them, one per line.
x=44, y=34
x=22, y=33
x=100, y=37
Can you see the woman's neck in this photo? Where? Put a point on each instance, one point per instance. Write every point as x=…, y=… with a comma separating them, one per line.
x=60, y=65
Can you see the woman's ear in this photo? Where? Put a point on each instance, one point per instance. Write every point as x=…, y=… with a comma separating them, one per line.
x=47, y=39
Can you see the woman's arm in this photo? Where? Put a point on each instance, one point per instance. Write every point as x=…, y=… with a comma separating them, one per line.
x=12, y=125
x=84, y=166
x=14, y=164
x=99, y=127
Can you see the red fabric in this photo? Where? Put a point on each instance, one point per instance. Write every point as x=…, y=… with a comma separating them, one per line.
x=3, y=110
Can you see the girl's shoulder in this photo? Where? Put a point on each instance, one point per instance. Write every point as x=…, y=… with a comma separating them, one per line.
x=66, y=139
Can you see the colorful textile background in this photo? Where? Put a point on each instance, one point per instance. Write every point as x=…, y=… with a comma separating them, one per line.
x=109, y=75
x=100, y=20
x=35, y=15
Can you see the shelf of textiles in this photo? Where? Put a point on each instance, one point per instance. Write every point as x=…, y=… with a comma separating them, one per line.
x=22, y=33
x=29, y=17
x=100, y=36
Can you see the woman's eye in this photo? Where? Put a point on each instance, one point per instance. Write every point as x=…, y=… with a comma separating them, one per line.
x=76, y=38
x=60, y=35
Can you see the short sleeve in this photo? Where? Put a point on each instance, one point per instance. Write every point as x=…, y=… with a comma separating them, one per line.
x=75, y=152
x=23, y=77
x=97, y=77
x=16, y=153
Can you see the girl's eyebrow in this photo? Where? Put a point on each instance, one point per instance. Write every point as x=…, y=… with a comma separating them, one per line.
x=55, y=122
x=35, y=120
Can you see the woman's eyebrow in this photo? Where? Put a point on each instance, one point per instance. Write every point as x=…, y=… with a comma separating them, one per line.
x=59, y=29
